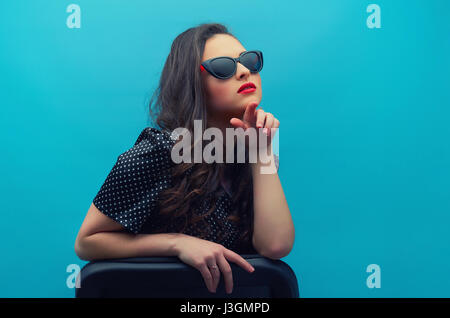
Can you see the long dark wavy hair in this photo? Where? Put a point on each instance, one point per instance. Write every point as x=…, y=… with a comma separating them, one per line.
x=178, y=100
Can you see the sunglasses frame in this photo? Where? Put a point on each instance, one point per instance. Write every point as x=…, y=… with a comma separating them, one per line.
x=206, y=65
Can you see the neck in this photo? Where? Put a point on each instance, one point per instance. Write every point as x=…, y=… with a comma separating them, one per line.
x=221, y=123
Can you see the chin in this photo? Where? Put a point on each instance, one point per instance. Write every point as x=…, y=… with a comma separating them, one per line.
x=237, y=111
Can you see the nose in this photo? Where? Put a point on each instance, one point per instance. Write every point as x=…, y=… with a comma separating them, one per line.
x=242, y=71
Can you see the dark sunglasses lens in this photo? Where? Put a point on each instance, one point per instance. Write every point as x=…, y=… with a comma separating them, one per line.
x=252, y=61
x=223, y=67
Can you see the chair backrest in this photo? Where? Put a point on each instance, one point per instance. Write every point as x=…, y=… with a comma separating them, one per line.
x=169, y=277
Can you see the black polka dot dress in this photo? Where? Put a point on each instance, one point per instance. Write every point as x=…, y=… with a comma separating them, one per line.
x=129, y=195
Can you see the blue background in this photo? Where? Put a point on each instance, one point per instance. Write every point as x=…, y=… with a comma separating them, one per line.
x=364, y=135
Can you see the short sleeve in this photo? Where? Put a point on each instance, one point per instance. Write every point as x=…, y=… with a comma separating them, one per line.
x=131, y=189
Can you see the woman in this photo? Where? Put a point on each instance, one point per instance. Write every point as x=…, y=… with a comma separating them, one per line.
x=204, y=213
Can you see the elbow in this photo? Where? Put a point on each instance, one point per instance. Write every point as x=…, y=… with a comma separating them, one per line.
x=281, y=248
x=277, y=252
x=81, y=250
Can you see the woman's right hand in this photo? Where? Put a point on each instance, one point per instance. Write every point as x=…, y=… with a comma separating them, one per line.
x=210, y=259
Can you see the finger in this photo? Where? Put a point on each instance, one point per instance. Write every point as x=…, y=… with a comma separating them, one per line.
x=207, y=277
x=215, y=273
x=225, y=268
x=260, y=116
x=238, y=259
x=236, y=122
x=276, y=124
x=249, y=113
x=270, y=119
x=269, y=123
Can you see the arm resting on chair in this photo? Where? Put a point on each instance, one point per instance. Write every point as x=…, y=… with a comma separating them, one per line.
x=100, y=237
x=107, y=245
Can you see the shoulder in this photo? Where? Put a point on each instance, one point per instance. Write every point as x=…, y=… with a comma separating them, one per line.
x=152, y=143
x=151, y=136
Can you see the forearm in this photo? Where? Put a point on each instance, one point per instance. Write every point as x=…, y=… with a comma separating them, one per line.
x=107, y=245
x=273, y=225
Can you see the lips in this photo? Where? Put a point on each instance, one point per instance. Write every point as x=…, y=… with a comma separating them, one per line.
x=245, y=86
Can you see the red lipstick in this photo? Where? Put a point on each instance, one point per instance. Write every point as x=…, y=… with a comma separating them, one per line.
x=247, y=88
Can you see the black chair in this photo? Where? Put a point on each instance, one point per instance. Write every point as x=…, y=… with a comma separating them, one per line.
x=169, y=277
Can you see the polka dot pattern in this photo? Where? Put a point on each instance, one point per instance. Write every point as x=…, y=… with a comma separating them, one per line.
x=130, y=192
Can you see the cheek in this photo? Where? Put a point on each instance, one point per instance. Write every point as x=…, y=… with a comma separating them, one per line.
x=220, y=95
